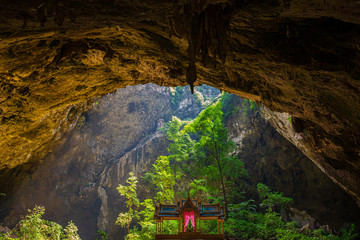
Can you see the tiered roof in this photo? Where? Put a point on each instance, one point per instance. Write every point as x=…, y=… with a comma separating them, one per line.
x=172, y=211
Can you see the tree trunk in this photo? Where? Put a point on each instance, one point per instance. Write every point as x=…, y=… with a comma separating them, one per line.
x=223, y=188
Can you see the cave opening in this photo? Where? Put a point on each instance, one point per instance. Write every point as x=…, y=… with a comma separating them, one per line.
x=124, y=131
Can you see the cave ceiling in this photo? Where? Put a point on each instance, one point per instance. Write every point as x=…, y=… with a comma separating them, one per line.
x=301, y=57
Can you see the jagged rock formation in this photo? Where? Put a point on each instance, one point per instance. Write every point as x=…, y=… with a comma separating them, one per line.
x=78, y=179
x=294, y=56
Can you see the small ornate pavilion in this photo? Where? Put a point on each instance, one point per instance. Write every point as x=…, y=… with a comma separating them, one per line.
x=189, y=210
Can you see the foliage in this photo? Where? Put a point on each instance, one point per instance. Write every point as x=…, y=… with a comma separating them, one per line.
x=348, y=232
x=133, y=235
x=201, y=149
x=33, y=226
x=163, y=179
x=272, y=199
x=290, y=120
x=213, y=152
x=176, y=97
x=241, y=220
x=271, y=221
x=289, y=234
x=147, y=220
x=170, y=227
x=181, y=147
x=71, y=232
x=132, y=202
x=228, y=105
x=249, y=106
x=248, y=223
x=197, y=187
x=102, y=234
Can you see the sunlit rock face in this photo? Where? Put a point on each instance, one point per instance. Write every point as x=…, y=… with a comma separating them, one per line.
x=299, y=57
x=288, y=126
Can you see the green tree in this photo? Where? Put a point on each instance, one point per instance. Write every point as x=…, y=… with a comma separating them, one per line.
x=71, y=232
x=132, y=203
x=163, y=180
x=272, y=200
x=202, y=148
x=147, y=220
x=33, y=226
x=213, y=148
x=181, y=146
x=102, y=234
x=197, y=187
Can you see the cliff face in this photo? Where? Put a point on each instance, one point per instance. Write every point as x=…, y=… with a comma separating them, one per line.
x=77, y=180
x=294, y=56
x=272, y=160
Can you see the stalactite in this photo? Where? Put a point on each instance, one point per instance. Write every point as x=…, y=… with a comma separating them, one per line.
x=205, y=24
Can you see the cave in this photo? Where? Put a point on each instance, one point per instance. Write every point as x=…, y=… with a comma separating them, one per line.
x=298, y=59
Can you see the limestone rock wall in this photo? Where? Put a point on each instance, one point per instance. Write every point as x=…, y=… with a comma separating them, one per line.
x=276, y=162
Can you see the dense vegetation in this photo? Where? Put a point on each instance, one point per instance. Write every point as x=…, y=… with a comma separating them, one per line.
x=202, y=163
x=34, y=227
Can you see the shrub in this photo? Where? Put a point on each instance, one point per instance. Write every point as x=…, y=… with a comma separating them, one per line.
x=33, y=227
